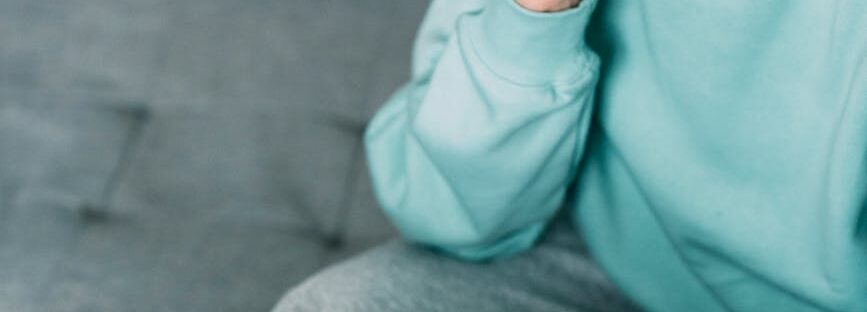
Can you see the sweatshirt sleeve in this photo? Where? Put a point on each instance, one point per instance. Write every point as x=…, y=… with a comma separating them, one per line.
x=475, y=154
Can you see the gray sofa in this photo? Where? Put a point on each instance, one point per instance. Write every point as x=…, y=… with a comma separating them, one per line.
x=195, y=155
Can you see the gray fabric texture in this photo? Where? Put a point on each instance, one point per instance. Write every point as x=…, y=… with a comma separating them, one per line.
x=187, y=155
x=557, y=275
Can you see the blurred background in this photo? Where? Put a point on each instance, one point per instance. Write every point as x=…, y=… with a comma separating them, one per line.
x=188, y=155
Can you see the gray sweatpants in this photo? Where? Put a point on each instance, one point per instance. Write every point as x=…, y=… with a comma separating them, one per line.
x=557, y=275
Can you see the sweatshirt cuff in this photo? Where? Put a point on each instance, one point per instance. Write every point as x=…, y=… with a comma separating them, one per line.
x=531, y=47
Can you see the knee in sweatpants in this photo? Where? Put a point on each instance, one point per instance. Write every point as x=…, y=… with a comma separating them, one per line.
x=363, y=283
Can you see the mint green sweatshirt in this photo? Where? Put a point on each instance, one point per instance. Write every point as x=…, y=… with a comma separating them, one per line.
x=714, y=153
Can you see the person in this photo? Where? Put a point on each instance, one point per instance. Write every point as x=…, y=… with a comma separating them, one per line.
x=711, y=155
